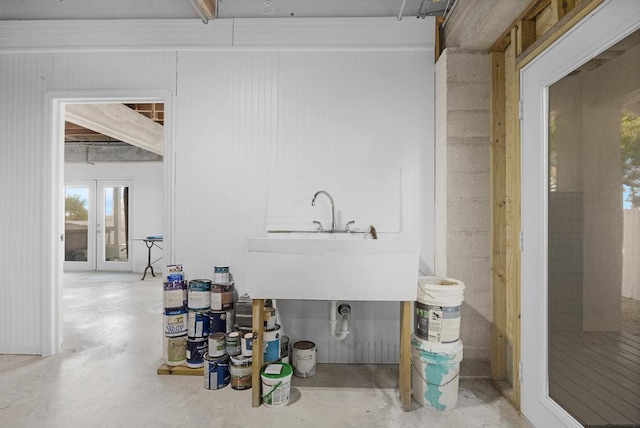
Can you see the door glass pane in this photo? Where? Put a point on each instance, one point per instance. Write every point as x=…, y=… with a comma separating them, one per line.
x=594, y=239
x=116, y=224
x=76, y=223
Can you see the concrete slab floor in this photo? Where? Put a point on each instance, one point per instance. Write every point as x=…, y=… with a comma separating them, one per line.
x=105, y=376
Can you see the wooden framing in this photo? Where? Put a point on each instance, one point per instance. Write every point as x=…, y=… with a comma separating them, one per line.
x=538, y=26
x=405, y=355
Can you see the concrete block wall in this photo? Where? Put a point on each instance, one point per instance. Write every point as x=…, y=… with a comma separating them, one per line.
x=462, y=195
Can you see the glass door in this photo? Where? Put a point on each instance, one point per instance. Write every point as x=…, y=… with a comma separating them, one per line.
x=112, y=229
x=580, y=253
x=79, y=225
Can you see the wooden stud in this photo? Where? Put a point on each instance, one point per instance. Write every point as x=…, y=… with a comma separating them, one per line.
x=530, y=12
x=498, y=211
x=439, y=43
x=405, y=355
x=257, y=320
x=526, y=34
x=559, y=8
x=207, y=7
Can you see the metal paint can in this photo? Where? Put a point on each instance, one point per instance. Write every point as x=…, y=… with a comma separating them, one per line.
x=175, y=350
x=175, y=273
x=231, y=318
x=246, y=344
x=175, y=322
x=174, y=294
x=198, y=294
x=271, y=344
x=303, y=358
x=284, y=349
x=197, y=348
x=198, y=324
x=221, y=274
x=217, y=322
x=269, y=318
x=217, y=344
x=216, y=372
x=221, y=300
x=240, y=371
x=232, y=343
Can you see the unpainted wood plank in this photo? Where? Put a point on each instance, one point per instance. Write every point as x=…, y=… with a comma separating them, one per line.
x=179, y=370
x=405, y=356
x=257, y=321
x=439, y=43
x=207, y=7
x=498, y=166
x=585, y=391
x=528, y=12
x=575, y=407
x=526, y=34
x=560, y=8
x=574, y=357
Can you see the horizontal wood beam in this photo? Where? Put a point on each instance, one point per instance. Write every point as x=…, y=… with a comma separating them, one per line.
x=120, y=122
x=207, y=7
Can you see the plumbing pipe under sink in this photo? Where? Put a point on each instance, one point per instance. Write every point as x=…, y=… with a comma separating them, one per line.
x=345, y=312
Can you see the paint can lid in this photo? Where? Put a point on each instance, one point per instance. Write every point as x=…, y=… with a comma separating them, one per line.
x=277, y=370
x=304, y=344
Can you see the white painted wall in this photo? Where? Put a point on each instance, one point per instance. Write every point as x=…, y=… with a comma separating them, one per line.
x=319, y=94
x=146, y=212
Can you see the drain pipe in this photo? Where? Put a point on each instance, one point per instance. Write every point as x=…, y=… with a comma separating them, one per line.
x=345, y=312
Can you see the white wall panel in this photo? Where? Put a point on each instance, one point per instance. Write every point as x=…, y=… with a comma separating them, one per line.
x=146, y=212
x=22, y=81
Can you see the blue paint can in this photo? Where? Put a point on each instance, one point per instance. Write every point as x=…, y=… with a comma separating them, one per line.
x=175, y=273
x=197, y=348
x=198, y=324
x=271, y=344
x=216, y=372
x=217, y=322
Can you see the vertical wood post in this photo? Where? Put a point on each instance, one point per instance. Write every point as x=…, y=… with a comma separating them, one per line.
x=257, y=319
x=405, y=355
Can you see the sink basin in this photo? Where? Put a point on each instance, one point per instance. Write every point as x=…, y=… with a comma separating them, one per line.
x=332, y=266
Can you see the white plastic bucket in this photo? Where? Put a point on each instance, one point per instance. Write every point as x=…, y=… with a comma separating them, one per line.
x=435, y=373
x=303, y=358
x=437, y=310
x=276, y=384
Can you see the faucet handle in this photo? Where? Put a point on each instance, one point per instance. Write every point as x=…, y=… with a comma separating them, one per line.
x=347, y=227
x=319, y=228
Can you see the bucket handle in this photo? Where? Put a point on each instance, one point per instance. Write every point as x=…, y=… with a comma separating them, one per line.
x=425, y=292
x=430, y=383
x=274, y=388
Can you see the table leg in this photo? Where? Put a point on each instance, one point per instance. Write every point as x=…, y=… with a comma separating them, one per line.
x=405, y=355
x=257, y=326
x=149, y=265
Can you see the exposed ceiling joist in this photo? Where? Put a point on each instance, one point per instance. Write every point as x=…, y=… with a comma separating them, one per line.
x=120, y=122
x=206, y=7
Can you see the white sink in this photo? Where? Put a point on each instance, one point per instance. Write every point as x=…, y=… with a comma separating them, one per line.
x=323, y=266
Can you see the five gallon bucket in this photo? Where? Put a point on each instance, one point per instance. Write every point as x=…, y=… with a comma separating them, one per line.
x=435, y=373
x=276, y=384
x=437, y=312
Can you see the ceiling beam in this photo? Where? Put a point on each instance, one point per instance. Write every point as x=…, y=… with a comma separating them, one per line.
x=120, y=122
x=207, y=7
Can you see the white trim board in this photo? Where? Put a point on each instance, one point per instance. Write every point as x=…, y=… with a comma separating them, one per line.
x=188, y=34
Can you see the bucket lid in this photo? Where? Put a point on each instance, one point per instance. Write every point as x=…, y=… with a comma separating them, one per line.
x=286, y=370
x=454, y=348
x=440, y=283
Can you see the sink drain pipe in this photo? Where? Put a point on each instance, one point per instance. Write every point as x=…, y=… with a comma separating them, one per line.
x=345, y=311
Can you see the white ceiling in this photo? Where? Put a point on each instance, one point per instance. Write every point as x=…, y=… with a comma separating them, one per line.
x=183, y=9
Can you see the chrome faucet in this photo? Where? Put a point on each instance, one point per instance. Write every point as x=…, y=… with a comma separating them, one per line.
x=333, y=207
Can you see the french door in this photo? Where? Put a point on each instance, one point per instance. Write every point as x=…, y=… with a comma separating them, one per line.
x=580, y=163
x=97, y=218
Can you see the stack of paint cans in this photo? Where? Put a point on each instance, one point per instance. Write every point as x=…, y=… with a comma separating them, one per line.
x=175, y=316
x=437, y=350
x=198, y=303
x=271, y=336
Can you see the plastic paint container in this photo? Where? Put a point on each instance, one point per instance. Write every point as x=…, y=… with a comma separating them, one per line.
x=216, y=372
x=435, y=373
x=437, y=310
x=276, y=384
x=303, y=358
x=240, y=371
x=175, y=273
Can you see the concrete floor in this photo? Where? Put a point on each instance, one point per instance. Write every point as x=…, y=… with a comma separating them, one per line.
x=105, y=376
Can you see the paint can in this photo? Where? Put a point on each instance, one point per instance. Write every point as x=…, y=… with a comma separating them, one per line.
x=221, y=300
x=271, y=345
x=240, y=370
x=276, y=384
x=230, y=318
x=175, y=350
x=198, y=294
x=435, y=373
x=217, y=322
x=269, y=318
x=197, y=348
x=175, y=322
x=303, y=358
x=217, y=344
x=216, y=372
x=232, y=343
x=437, y=310
x=284, y=349
x=174, y=294
x=222, y=287
x=221, y=274
x=246, y=344
x=175, y=273
x=198, y=324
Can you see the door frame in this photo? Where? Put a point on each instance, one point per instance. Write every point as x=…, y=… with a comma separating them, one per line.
x=52, y=233
x=605, y=26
